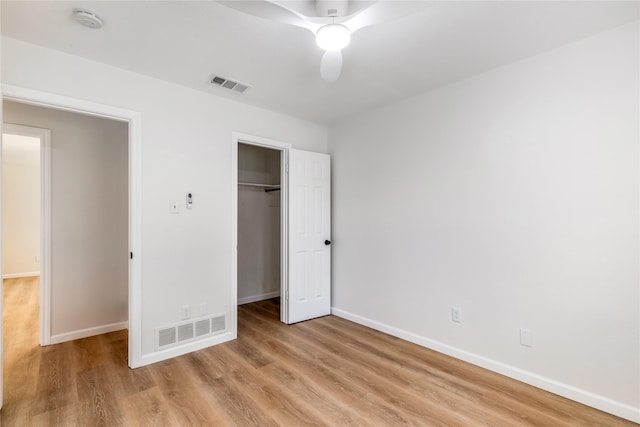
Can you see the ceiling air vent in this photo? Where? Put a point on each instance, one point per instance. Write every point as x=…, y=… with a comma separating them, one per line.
x=229, y=84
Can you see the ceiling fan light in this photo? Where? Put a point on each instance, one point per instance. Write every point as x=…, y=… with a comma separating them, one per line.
x=333, y=37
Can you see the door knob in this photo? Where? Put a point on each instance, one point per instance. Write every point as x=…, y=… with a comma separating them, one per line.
x=327, y=242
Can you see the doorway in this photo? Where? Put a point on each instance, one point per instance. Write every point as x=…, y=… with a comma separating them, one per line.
x=260, y=221
x=26, y=226
x=133, y=252
x=259, y=224
x=305, y=227
x=86, y=292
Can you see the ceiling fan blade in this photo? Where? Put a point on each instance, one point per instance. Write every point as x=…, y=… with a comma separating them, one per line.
x=271, y=10
x=331, y=65
x=383, y=11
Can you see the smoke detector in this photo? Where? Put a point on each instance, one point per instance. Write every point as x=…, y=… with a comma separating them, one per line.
x=87, y=18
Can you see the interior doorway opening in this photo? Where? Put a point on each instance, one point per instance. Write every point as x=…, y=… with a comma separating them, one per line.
x=260, y=226
x=85, y=211
x=133, y=350
x=23, y=194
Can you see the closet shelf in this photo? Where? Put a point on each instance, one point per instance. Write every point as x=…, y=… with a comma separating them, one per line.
x=265, y=186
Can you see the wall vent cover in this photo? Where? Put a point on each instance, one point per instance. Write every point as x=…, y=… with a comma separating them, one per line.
x=179, y=333
x=217, y=324
x=202, y=327
x=229, y=84
x=185, y=332
x=166, y=337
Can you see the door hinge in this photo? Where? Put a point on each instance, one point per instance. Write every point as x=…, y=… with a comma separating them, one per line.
x=286, y=167
x=286, y=295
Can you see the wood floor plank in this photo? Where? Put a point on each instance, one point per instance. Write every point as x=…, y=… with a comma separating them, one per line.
x=280, y=396
x=148, y=408
x=97, y=397
x=186, y=402
x=324, y=372
x=62, y=417
x=367, y=382
x=19, y=379
x=464, y=374
x=354, y=393
x=56, y=380
x=90, y=353
x=129, y=381
x=238, y=408
x=462, y=400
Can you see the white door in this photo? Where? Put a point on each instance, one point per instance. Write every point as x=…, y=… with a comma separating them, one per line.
x=309, y=214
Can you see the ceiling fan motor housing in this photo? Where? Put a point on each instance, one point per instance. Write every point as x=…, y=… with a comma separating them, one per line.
x=330, y=8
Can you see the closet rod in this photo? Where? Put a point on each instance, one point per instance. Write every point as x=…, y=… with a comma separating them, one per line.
x=254, y=184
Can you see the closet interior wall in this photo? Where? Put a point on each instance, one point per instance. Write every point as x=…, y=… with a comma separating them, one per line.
x=258, y=224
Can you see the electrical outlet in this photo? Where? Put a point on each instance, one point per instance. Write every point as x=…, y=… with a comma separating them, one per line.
x=456, y=314
x=186, y=312
x=526, y=338
x=203, y=310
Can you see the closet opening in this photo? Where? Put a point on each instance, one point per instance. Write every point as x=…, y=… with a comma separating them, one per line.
x=260, y=224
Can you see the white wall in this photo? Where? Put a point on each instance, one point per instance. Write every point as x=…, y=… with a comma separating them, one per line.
x=258, y=224
x=186, y=147
x=21, y=205
x=514, y=195
x=89, y=216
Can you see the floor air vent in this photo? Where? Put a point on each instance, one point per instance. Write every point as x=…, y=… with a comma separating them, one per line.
x=182, y=332
x=229, y=84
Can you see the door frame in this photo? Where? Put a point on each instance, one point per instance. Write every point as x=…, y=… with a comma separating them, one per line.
x=243, y=138
x=44, y=135
x=134, y=120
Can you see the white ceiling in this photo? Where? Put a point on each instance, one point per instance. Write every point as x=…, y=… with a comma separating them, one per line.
x=186, y=42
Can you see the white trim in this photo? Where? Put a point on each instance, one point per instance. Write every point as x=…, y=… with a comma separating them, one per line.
x=134, y=119
x=283, y=147
x=233, y=298
x=19, y=275
x=1, y=287
x=169, y=353
x=44, y=135
x=565, y=390
x=45, y=239
x=256, y=298
x=88, y=332
x=245, y=138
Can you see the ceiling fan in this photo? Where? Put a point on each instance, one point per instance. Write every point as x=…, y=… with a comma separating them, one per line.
x=331, y=21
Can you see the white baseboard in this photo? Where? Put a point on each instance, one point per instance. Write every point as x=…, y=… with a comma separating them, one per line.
x=585, y=397
x=184, y=349
x=89, y=332
x=19, y=275
x=255, y=298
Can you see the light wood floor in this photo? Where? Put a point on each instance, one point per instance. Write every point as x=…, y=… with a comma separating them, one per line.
x=322, y=372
